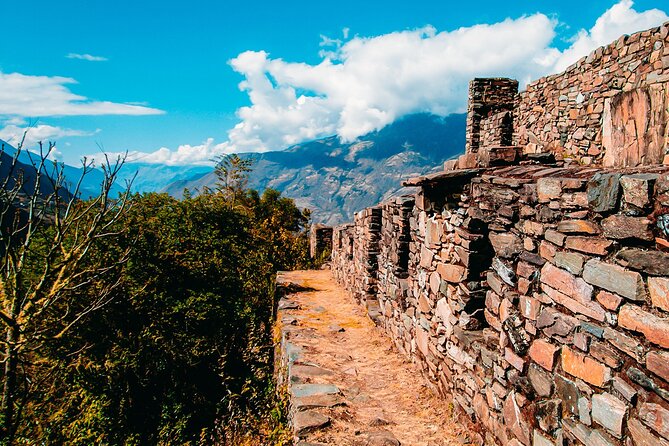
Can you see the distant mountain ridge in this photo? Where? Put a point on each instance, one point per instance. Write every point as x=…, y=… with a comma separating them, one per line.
x=336, y=179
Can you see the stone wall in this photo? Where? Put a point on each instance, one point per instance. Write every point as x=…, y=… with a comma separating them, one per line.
x=530, y=278
x=536, y=296
x=573, y=113
x=610, y=108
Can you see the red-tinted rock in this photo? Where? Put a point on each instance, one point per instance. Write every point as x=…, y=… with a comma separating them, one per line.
x=655, y=329
x=584, y=367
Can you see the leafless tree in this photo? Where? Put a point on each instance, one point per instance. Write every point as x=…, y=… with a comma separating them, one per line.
x=48, y=234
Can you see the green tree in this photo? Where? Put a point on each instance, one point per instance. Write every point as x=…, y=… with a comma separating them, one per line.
x=232, y=172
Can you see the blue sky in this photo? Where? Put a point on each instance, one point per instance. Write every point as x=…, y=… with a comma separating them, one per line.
x=164, y=75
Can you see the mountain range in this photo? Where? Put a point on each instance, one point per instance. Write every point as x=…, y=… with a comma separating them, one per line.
x=335, y=179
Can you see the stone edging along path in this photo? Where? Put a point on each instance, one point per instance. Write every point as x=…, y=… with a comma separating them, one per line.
x=346, y=383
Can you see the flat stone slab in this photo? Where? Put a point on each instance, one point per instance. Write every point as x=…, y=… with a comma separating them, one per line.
x=316, y=401
x=302, y=390
x=308, y=421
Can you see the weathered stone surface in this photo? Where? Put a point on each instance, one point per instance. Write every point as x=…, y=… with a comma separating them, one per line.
x=654, y=328
x=555, y=237
x=566, y=283
x=304, y=390
x=568, y=392
x=651, y=262
x=603, y=192
x=658, y=288
x=658, y=363
x=451, y=272
x=615, y=279
x=543, y=353
x=642, y=436
x=584, y=367
x=547, y=413
x=609, y=412
x=589, y=245
x=512, y=358
x=548, y=189
x=584, y=410
x=570, y=261
x=541, y=382
x=316, y=401
x=505, y=272
x=506, y=245
x=621, y=227
x=515, y=420
x=656, y=417
x=637, y=190
x=578, y=227
x=381, y=438
x=539, y=440
x=628, y=392
x=308, y=421
x=608, y=300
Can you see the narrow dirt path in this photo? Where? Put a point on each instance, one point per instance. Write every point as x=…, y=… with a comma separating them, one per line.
x=386, y=399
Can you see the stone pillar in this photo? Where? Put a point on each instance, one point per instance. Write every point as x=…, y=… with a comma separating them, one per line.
x=487, y=96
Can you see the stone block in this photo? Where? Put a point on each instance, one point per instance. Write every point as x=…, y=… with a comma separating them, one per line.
x=655, y=263
x=529, y=307
x=589, y=245
x=656, y=417
x=642, y=436
x=608, y=300
x=578, y=227
x=544, y=353
x=637, y=190
x=584, y=367
x=621, y=227
x=539, y=440
x=541, y=382
x=451, y=272
x=627, y=391
x=566, y=283
x=570, y=261
x=655, y=329
x=555, y=237
x=548, y=189
x=658, y=363
x=615, y=279
x=604, y=192
x=506, y=245
x=512, y=358
x=609, y=412
x=658, y=289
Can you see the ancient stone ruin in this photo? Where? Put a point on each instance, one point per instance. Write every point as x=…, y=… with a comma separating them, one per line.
x=530, y=278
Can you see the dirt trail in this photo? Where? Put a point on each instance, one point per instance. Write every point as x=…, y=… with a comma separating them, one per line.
x=382, y=391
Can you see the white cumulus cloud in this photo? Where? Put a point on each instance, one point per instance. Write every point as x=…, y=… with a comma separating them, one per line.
x=87, y=57
x=186, y=154
x=14, y=134
x=364, y=83
x=39, y=96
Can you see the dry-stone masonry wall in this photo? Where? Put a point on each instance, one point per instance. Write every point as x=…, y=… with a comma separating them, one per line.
x=610, y=107
x=532, y=290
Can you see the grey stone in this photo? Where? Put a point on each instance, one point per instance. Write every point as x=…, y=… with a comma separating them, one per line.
x=609, y=412
x=539, y=440
x=628, y=392
x=570, y=261
x=584, y=411
x=504, y=272
x=381, y=438
x=616, y=279
x=308, y=421
x=603, y=192
x=640, y=378
x=302, y=390
x=540, y=380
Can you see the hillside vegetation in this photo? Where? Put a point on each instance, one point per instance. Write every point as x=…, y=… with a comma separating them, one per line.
x=178, y=348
